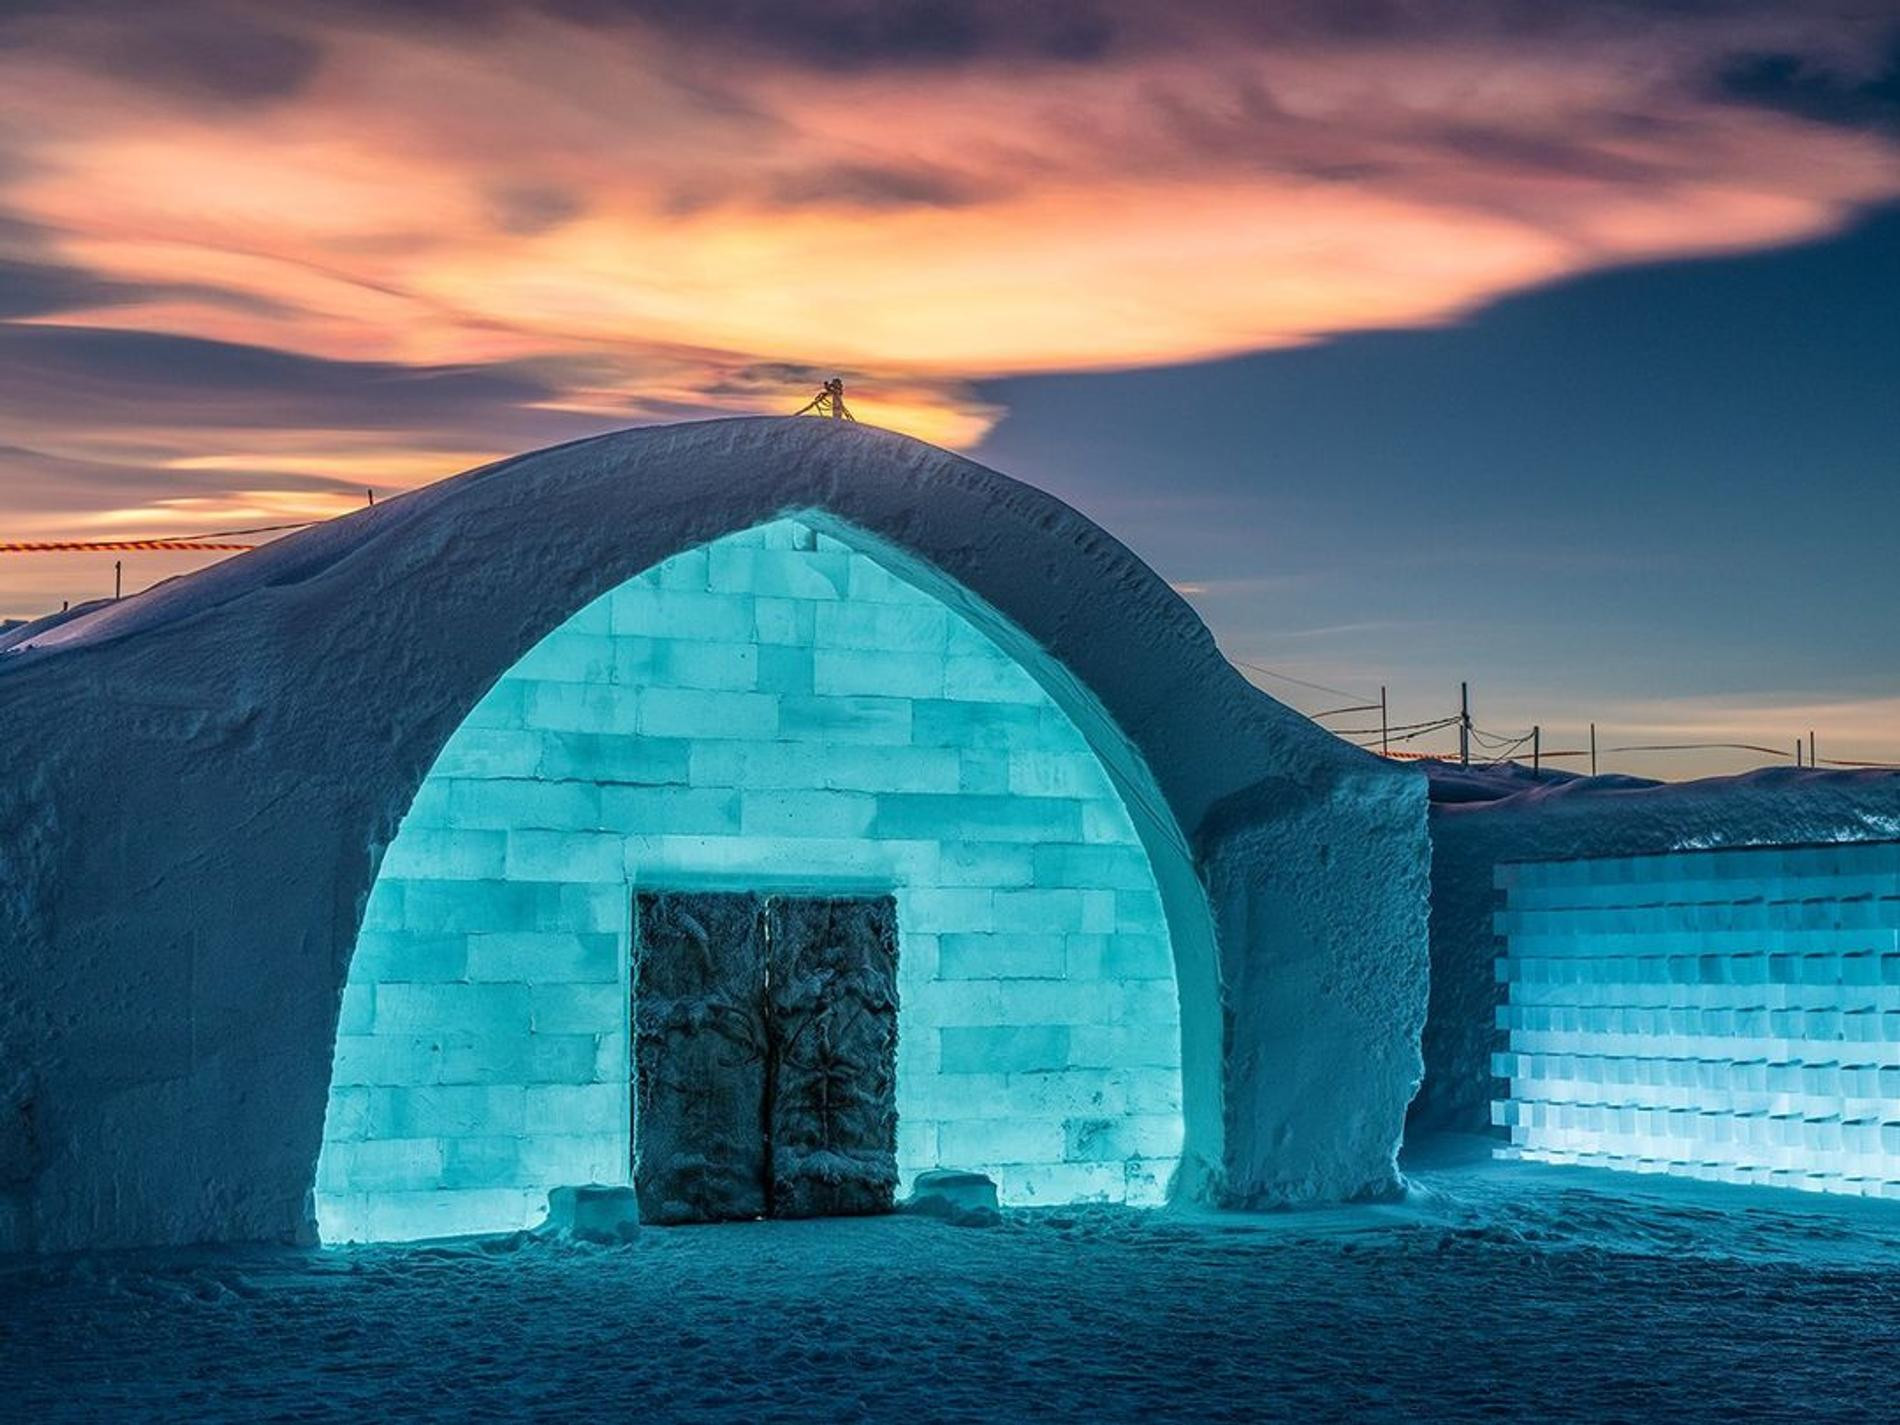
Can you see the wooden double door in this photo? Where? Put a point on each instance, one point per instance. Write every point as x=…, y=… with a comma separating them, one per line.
x=765, y=1048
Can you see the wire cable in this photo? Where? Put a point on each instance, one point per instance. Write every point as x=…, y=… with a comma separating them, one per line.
x=1505, y=749
x=1394, y=727
x=1500, y=739
x=1301, y=682
x=255, y=529
x=1422, y=732
x=1700, y=747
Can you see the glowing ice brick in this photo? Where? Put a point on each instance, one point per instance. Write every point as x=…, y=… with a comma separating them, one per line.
x=1005, y=1049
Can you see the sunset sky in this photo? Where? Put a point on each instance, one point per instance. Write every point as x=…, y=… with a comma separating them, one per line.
x=1548, y=346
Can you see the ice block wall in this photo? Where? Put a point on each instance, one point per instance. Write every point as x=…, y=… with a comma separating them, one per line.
x=1731, y=1015
x=774, y=710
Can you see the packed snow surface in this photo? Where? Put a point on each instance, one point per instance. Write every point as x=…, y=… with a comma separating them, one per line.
x=1493, y=1292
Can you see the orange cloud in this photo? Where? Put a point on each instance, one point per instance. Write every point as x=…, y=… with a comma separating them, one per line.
x=1124, y=214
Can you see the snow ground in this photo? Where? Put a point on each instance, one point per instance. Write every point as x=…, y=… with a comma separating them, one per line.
x=1492, y=1292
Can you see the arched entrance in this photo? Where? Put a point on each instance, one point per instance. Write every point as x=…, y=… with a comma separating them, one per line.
x=791, y=710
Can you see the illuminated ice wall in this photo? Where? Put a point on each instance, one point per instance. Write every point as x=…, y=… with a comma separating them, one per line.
x=774, y=710
x=1730, y=1015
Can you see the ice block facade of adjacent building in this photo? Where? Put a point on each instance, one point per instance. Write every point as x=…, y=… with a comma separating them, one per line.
x=1731, y=1015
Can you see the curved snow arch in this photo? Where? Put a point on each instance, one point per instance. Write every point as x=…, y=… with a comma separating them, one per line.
x=483, y=1055
x=221, y=759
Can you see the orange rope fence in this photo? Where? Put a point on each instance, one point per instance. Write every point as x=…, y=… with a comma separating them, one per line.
x=213, y=541
x=58, y=546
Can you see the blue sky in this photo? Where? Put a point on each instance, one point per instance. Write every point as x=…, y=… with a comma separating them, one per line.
x=1657, y=496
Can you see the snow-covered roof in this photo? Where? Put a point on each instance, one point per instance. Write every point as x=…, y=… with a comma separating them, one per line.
x=475, y=568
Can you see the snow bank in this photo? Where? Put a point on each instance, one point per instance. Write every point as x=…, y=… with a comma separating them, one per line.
x=1490, y=782
x=1603, y=816
x=217, y=765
